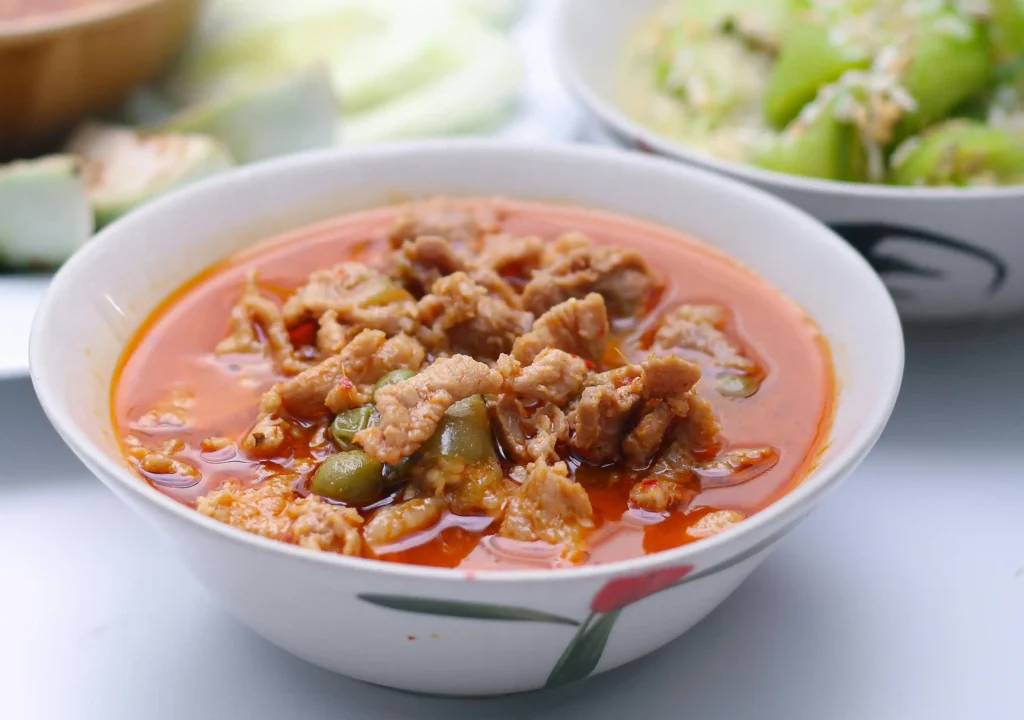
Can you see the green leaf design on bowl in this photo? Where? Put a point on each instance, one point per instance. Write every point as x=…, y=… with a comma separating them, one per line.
x=587, y=646
x=585, y=651
x=456, y=609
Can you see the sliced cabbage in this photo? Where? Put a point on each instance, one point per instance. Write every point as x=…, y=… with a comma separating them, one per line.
x=498, y=13
x=386, y=58
x=221, y=18
x=44, y=211
x=224, y=18
x=286, y=115
x=123, y=167
x=242, y=46
x=374, y=50
x=477, y=95
x=412, y=51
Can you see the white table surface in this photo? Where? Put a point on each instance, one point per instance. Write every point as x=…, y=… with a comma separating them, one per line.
x=901, y=598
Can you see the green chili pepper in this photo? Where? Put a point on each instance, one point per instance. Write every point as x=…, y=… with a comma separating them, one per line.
x=351, y=477
x=393, y=377
x=464, y=432
x=348, y=423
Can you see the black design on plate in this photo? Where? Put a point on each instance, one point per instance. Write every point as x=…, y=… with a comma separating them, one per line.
x=866, y=238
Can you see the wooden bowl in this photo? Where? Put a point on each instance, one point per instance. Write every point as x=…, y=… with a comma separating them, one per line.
x=57, y=69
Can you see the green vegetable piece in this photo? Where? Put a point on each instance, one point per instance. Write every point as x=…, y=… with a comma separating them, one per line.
x=351, y=477
x=124, y=168
x=464, y=432
x=950, y=61
x=348, y=423
x=820, y=144
x=810, y=59
x=44, y=211
x=393, y=377
x=1006, y=29
x=960, y=152
x=397, y=473
x=287, y=115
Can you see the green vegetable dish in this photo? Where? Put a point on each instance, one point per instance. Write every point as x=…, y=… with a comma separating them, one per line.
x=904, y=92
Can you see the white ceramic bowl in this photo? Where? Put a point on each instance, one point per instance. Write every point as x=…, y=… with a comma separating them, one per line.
x=425, y=629
x=944, y=253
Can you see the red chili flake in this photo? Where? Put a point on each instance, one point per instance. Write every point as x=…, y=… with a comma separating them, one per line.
x=303, y=335
x=620, y=592
x=412, y=637
x=345, y=383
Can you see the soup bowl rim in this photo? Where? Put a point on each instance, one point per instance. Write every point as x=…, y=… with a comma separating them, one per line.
x=775, y=519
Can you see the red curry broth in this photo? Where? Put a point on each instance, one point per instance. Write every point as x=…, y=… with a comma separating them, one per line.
x=172, y=356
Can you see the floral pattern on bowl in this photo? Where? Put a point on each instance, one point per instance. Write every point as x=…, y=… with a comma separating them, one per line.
x=585, y=649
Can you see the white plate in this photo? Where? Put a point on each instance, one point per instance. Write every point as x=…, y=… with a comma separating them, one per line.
x=546, y=114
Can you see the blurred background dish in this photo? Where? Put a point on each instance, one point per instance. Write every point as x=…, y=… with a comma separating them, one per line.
x=62, y=60
x=123, y=165
x=945, y=253
x=880, y=91
x=397, y=68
